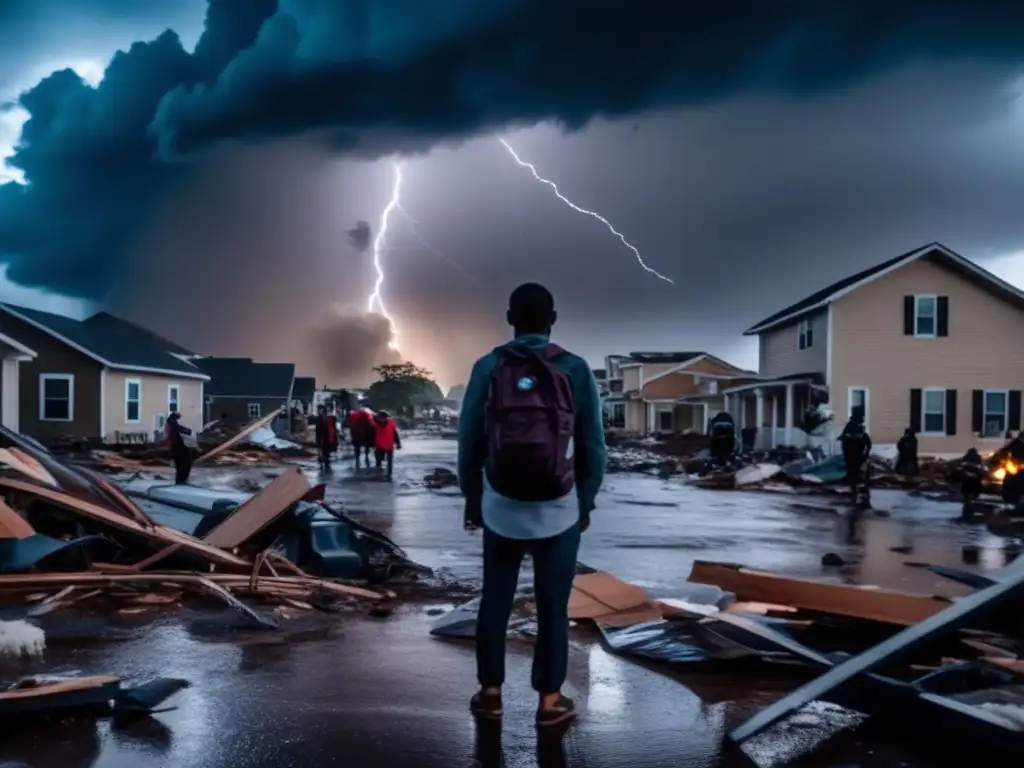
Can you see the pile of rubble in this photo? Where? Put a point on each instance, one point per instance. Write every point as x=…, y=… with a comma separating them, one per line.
x=956, y=663
x=70, y=537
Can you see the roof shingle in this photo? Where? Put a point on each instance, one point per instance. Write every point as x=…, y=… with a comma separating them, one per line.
x=242, y=377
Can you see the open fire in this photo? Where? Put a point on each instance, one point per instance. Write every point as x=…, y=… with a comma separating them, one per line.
x=1007, y=468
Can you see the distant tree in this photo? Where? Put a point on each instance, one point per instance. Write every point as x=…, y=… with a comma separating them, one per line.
x=402, y=386
x=457, y=392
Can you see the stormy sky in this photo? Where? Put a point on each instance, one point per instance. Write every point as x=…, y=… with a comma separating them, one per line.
x=211, y=181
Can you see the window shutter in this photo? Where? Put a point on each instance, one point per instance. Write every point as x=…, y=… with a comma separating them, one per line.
x=908, y=317
x=977, y=410
x=1013, y=417
x=942, y=325
x=915, y=410
x=950, y=411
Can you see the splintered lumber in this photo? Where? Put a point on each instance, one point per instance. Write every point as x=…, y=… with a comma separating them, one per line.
x=13, y=525
x=966, y=610
x=246, y=431
x=179, y=578
x=158, y=535
x=248, y=519
x=842, y=599
x=46, y=688
x=27, y=465
x=236, y=604
x=607, y=600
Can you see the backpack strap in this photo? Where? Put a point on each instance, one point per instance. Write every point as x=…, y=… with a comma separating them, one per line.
x=551, y=351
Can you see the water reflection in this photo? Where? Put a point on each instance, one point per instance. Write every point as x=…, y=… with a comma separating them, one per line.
x=607, y=694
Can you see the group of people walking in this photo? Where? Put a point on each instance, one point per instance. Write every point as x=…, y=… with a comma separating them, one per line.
x=367, y=431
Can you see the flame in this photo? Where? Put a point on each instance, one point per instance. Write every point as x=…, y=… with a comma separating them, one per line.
x=1008, y=467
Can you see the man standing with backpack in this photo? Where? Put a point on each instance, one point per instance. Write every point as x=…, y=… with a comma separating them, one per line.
x=530, y=434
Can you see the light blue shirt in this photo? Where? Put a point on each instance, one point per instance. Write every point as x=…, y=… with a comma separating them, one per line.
x=516, y=519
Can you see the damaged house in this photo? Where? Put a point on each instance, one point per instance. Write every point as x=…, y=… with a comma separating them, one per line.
x=669, y=391
x=101, y=377
x=242, y=390
x=923, y=340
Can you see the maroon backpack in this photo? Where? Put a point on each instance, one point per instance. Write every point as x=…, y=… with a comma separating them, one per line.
x=530, y=422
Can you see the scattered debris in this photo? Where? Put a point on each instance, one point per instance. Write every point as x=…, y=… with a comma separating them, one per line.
x=441, y=478
x=97, y=695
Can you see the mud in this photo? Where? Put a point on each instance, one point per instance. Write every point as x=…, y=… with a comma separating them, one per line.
x=361, y=691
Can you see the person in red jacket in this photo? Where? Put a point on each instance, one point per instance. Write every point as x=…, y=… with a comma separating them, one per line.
x=361, y=432
x=386, y=440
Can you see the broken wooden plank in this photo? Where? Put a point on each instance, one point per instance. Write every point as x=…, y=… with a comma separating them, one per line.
x=842, y=599
x=608, y=600
x=248, y=519
x=246, y=431
x=1013, y=665
x=30, y=689
x=157, y=535
x=124, y=502
x=160, y=556
x=966, y=609
x=50, y=603
x=13, y=525
x=27, y=465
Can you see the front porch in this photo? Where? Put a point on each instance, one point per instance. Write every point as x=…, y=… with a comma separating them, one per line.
x=775, y=409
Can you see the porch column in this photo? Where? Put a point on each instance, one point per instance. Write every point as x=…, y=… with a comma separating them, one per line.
x=650, y=418
x=775, y=419
x=11, y=389
x=759, y=418
x=790, y=420
x=727, y=405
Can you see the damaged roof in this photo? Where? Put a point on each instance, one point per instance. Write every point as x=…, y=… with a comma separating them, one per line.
x=107, y=343
x=827, y=295
x=303, y=388
x=243, y=377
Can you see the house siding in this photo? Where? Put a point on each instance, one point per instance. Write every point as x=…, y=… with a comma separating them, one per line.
x=237, y=408
x=870, y=350
x=154, y=402
x=54, y=357
x=780, y=353
x=673, y=386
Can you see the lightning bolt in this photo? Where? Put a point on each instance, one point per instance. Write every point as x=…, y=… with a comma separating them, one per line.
x=554, y=187
x=375, y=302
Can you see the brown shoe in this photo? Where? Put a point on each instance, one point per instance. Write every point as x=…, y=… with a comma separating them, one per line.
x=486, y=705
x=564, y=709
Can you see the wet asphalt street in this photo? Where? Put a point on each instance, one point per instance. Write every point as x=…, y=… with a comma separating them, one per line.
x=358, y=691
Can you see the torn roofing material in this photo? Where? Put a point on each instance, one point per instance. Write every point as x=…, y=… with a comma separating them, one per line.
x=243, y=377
x=935, y=250
x=106, y=343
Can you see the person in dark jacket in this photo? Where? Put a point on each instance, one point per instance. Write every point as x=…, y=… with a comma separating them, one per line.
x=722, y=430
x=326, y=437
x=856, y=444
x=972, y=474
x=181, y=454
x=906, y=454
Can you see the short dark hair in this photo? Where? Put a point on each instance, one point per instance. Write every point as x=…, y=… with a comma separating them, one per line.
x=531, y=308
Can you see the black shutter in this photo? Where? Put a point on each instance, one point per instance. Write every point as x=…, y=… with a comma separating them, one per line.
x=1013, y=419
x=915, y=410
x=950, y=411
x=908, y=316
x=977, y=410
x=942, y=326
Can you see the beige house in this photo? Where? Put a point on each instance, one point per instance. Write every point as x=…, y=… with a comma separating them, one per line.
x=100, y=377
x=927, y=340
x=669, y=391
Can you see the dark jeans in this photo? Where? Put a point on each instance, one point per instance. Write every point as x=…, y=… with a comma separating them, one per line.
x=362, y=450
x=554, y=567
x=326, y=449
x=182, y=457
x=380, y=455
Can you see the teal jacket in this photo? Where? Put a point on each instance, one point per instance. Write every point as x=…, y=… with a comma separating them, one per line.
x=589, y=447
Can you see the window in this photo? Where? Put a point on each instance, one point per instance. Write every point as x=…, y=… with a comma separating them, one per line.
x=713, y=387
x=619, y=415
x=254, y=410
x=615, y=386
x=926, y=313
x=132, y=400
x=805, y=333
x=173, y=391
x=56, y=397
x=857, y=397
x=996, y=407
x=159, y=421
x=933, y=412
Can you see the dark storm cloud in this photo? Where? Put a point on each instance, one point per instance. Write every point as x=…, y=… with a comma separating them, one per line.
x=359, y=236
x=348, y=344
x=443, y=70
x=383, y=75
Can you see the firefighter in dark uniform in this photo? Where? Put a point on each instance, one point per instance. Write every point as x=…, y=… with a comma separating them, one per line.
x=906, y=454
x=972, y=474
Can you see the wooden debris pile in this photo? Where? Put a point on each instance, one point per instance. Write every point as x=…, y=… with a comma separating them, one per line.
x=56, y=520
